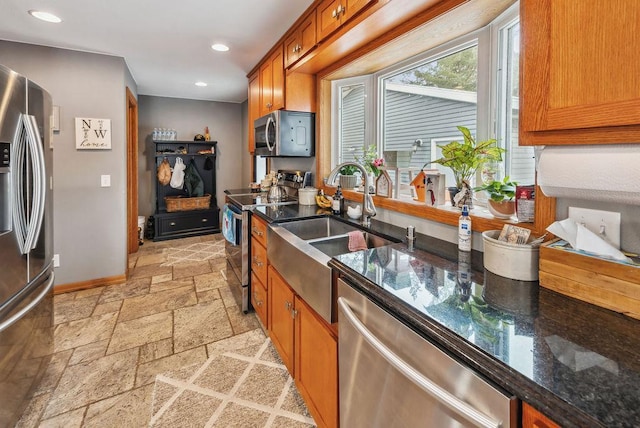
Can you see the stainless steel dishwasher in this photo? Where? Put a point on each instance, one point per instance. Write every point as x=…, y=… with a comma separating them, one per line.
x=392, y=377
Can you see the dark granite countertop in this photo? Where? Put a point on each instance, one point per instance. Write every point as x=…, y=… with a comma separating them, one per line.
x=575, y=362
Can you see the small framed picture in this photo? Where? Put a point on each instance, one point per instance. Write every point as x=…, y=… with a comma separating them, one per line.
x=434, y=188
x=92, y=134
x=384, y=185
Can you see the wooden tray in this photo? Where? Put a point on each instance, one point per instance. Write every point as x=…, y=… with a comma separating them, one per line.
x=601, y=282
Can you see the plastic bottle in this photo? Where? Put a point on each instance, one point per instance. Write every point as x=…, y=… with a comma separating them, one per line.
x=338, y=201
x=464, y=230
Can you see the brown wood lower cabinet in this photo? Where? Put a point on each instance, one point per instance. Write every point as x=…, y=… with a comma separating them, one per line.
x=280, y=310
x=259, y=299
x=308, y=347
x=531, y=418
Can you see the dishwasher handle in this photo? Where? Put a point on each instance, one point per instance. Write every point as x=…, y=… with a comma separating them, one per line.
x=470, y=413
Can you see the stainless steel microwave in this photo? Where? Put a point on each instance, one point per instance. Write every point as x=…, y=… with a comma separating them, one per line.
x=285, y=133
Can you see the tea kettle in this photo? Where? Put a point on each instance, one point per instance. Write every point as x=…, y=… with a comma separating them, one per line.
x=276, y=192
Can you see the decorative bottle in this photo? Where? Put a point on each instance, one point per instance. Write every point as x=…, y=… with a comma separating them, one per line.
x=338, y=201
x=464, y=230
x=207, y=136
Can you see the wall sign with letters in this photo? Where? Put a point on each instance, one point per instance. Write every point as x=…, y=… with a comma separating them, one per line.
x=93, y=133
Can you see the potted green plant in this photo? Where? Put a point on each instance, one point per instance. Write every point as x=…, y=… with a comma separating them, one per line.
x=464, y=158
x=501, y=194
x=347, y=178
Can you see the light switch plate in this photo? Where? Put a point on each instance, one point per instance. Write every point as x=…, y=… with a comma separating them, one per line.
x=594, y=220
x=105, y=181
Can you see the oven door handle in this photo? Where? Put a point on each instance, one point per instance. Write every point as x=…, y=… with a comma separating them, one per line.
x=471, y=414
x=236, y=215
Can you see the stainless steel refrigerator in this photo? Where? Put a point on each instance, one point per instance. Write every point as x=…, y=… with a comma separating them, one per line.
x=26, y=241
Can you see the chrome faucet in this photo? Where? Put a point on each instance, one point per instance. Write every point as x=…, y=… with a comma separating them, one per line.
x=368, y=209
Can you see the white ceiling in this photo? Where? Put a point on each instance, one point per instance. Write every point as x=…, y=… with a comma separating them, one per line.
x=166, y=43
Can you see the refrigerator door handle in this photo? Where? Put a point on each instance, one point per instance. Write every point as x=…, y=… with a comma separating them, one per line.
x=15, y=317
x=18, y=215
x=39, y=180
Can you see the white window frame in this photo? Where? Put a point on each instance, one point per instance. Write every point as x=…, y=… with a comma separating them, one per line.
x=443, y=50
x=498, y=85
x=486, y=39
x=336, y=106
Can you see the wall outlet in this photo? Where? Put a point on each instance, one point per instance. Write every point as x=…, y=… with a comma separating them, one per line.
x=56, y=260
x=105, y=180
x=605, y=223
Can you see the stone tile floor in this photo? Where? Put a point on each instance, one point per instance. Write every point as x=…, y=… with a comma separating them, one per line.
x=168, y=348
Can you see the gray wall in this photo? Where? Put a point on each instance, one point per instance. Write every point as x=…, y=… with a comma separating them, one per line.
x=188, y=118
x=89, y=220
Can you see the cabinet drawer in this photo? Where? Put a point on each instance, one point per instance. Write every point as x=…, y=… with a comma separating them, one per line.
x=259, y=230
x=186, y=223
x=259, y=260
x=259, y=299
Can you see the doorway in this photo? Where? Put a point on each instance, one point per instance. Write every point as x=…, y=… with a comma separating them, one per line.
x=132, y=175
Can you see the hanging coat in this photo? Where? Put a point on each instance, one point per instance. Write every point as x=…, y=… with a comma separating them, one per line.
x=177, y=178
x=192, y=181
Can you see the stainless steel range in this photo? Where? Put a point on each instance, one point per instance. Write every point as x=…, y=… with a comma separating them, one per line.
x=236, y=226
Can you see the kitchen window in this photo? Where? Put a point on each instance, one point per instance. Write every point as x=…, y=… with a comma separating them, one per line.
x=408, y=109
x=352, y=112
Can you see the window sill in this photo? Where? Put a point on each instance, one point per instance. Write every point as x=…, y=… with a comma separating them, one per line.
x=482, y=220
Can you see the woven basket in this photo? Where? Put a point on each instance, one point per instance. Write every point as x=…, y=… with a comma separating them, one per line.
x=180, y=203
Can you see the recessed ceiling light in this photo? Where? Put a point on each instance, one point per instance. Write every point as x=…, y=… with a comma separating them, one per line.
x=201, y=84
x=219, y=47
x=45, y=16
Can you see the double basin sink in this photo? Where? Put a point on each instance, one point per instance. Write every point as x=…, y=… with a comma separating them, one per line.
x=300, y=250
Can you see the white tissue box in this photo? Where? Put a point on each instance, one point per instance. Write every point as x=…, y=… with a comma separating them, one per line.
x=605, y=283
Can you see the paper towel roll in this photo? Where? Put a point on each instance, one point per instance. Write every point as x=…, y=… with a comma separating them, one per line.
x=598, y=172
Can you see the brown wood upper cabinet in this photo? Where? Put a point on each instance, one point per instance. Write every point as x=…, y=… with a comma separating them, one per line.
x=254, y=108
x=272, y=83
x=331, y=14
x=301, y=40
x=580, y=80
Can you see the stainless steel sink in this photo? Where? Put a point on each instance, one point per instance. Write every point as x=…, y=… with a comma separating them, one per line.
x=335, y=245
x=315, y=228
x=300, y=251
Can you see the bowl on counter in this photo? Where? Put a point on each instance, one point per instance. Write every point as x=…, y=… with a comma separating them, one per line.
x=512, y=261
x=307, y=196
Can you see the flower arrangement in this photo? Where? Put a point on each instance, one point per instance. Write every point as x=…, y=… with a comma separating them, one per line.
x=370, y=161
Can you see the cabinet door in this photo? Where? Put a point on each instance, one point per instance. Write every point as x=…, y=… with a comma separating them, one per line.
x=291, y=48
x=259, y=230
x=266, y=88
x=259, y=260
x=578, y=68
x=259, y=300
x=254, y=108
x=327, y=19
x=277, y=90
x=316, y=365
x=281, y=303
x=531, y=418
x=351, y=7
x=307, y=34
